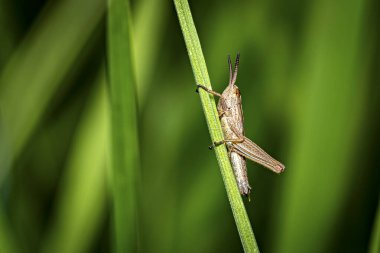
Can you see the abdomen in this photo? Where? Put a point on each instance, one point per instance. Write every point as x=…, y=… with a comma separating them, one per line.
x=240, y=170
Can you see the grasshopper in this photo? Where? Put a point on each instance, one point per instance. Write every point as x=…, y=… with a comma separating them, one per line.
x=239, y=147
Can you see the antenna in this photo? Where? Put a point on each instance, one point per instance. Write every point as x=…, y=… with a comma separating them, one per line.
x=236, y=69
x=230, y=66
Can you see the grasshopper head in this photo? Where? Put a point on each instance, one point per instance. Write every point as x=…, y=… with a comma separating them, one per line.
x=231, y=97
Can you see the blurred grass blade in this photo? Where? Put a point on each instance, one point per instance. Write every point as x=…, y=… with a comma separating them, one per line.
x=7, y=235
x=9, y=31
x=124, y=148
x=375, y=238
x=7, y=241
x=41, y=63
x=82, y=198
x=326, y=128
x=201, y=77
x=151, y=16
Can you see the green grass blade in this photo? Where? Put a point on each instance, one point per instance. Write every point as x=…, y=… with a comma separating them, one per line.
x=151, y=17
x=7, y=241
x=41, y=63
x=8, y=33
x=81, y=201
x=208, y=103
x=325, y=129
x=124, y=157
x=375, y=240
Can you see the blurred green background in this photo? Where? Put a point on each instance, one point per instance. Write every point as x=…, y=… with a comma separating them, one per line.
x=309, y=77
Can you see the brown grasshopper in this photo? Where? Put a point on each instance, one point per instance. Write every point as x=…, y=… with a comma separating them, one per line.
x=239, y=147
